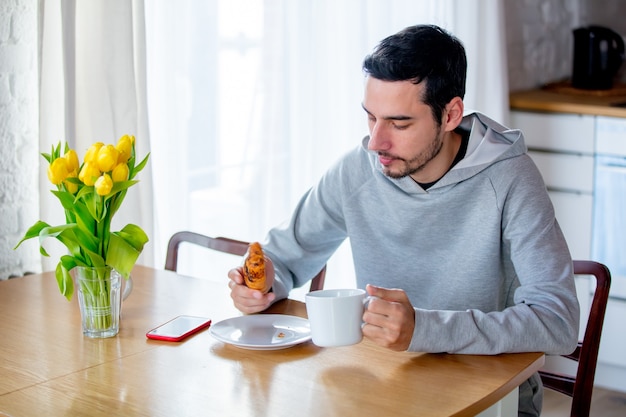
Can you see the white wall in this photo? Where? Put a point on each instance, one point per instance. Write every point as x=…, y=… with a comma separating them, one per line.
x=19, y=204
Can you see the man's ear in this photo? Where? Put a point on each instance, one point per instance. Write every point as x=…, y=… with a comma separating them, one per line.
x=453, y=114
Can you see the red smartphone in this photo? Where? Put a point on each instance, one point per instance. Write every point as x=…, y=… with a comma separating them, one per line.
x=179, y=328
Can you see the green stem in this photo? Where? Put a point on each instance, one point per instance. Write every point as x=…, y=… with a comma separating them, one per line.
x=103, y=228
x=98, y=310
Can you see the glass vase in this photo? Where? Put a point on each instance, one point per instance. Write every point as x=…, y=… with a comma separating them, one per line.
x=99, y=299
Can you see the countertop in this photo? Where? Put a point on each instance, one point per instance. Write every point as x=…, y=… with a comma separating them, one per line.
x=562, y=98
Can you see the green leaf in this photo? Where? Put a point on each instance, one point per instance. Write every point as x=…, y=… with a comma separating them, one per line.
x=96, y=259
x=134, y=235
x=85, y=222
x=91, y=200
x=69, y=262
x=121, y=186
x=66, y=199
x=125, y=247
x=116, y=201
x=117, y=194
x=74, y=180
x=86, y=190
x=65, y=234
x=56, y=152
x=64, y=281
x=139, y=167
x=87, y=240
x=33, y=232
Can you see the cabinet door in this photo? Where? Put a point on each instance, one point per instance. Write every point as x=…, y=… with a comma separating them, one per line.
x=569, y=179
x=558, y=132
x=565, y=171
x=610, y=133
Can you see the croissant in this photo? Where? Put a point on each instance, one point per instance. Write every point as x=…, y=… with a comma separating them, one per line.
x=254, y=267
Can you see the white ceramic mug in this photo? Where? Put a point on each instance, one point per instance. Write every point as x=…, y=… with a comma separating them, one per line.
x=336, y=316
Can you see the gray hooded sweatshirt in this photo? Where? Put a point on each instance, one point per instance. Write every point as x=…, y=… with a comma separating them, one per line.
x=479, y=254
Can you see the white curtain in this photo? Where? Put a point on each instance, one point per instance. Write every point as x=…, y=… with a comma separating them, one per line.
x=93, y=89
x=480, y=25
x=248, y=101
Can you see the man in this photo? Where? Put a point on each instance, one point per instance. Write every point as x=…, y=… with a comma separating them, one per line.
x=449, y=221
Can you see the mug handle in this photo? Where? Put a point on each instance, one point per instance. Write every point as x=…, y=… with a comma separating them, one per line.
x=366, y=303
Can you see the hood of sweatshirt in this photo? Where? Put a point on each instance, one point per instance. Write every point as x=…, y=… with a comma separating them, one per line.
x=489, y=142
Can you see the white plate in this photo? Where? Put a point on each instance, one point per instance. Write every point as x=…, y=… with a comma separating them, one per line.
x=262, y=331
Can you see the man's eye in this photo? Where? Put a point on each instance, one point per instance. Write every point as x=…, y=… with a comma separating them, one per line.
x=400, y=127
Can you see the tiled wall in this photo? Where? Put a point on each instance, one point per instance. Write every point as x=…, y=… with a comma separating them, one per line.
x=19, y=204
x=609, y=13
x=540, y=39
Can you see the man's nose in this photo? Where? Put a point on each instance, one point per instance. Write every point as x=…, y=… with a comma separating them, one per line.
x=378, y=138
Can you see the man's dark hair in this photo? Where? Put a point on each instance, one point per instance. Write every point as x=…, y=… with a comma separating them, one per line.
x=422, y=53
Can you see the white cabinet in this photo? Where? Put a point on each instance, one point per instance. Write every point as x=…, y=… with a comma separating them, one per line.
x=563, y=147
x=565, y=172
x=611, y=136
x=562, y=133
x=609, y=244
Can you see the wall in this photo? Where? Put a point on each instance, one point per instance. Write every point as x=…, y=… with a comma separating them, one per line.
x=540, y=40
x=609, y=13
x=19, y=204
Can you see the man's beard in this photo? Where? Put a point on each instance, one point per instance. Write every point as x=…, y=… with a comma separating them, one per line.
x=415, y=165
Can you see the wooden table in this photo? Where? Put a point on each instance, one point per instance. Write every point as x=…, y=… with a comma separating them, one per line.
x=47, y=367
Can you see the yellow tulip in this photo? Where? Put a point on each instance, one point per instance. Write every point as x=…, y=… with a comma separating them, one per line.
x=89, y=173
x=72, y=160
x=120, y=173
x=125, y=148
x=70, y=186
x=103, y=184
x=107, y=158
x=57, y=171
x=92, y=152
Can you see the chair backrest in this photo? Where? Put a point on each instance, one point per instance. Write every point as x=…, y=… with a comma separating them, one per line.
x=580, y=386
x=221, y=244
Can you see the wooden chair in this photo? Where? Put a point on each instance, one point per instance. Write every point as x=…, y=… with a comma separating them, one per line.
x=222, y=244
x=580, y=386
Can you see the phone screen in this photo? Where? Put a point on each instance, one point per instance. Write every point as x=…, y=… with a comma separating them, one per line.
x=179, y=328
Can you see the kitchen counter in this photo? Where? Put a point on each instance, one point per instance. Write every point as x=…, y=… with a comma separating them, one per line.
x=562, y=98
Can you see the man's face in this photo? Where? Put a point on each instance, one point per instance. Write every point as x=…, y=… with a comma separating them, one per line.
x=402, y=130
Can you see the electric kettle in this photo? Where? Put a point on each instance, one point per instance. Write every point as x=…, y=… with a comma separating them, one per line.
x=598, y=55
